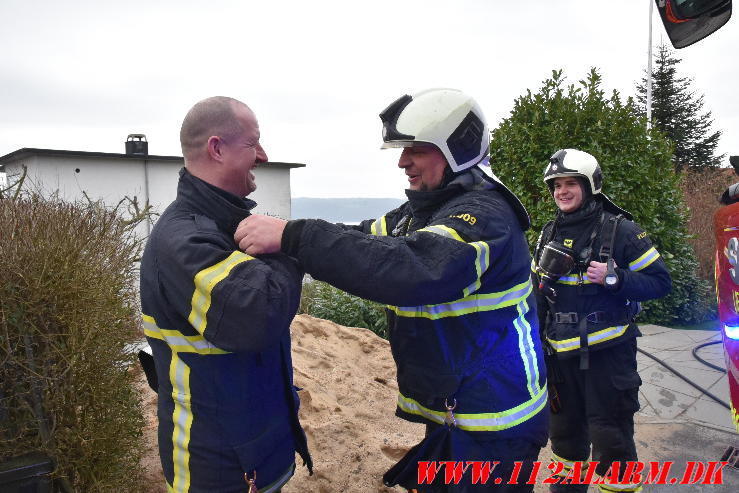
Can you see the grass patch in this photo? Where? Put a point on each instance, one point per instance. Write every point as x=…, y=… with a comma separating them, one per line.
x=706, y=325
x=322, y=300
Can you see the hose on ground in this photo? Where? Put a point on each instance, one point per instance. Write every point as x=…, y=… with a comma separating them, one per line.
x=711, y=365
x=709, y=394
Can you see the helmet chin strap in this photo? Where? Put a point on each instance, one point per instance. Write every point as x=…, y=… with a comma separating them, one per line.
x=587, y=194
x=449, y=175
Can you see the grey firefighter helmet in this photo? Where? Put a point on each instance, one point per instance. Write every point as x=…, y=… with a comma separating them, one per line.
x=573, y=162
x=446, y=118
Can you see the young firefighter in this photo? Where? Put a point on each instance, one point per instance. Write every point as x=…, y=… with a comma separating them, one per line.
x=589, y=307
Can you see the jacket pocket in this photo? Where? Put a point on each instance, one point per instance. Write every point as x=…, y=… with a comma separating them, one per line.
x=270, y=454
x=627, y=386
x=426, y=385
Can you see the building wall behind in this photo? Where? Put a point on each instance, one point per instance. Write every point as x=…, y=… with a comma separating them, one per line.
x=112, y=179
x=273, y=191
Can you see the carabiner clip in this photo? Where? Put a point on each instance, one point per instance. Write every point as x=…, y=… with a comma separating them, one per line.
x=251, y=483
x=449, y=419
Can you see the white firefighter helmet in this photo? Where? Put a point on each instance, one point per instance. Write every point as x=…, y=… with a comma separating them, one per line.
x=446, y=118
x=571, y=162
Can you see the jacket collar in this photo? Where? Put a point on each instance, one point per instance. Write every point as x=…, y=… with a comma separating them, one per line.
x=472, y=179
x=225, y=208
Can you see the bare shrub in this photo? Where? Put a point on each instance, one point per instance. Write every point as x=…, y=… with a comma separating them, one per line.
x=701, y=190
x=68, y=312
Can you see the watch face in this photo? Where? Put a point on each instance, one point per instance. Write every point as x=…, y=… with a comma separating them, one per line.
x=611, y=280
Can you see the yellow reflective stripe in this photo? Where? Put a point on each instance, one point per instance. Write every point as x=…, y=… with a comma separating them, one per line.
x=645, y=260
x=442, y=230
x=480, y=421
x=568, y=464
x=482, y=259
x=593, y=338
x=177, y=341
x=179, y=376
x=734, y=416
x=618, y=487
x=526, y=347
x=573, y=280
x=468, y=304
x=482, y=262
x=379, y=227
x=205, y=281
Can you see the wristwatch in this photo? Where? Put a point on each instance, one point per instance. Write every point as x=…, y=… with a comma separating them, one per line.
x=611, y=278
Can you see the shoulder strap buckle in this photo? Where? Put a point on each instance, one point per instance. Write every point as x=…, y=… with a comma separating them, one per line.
x=566, y=317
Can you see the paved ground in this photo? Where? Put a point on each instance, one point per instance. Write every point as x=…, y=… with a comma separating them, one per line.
x=677, y=422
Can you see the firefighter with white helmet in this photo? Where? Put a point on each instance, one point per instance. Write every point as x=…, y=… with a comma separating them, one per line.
x=453, y=266
x=594, y=265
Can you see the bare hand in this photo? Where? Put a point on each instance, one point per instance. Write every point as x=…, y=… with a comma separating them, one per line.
x=597, y=272
x=259, y=234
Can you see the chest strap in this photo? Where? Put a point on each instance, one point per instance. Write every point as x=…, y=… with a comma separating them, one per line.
x=620, y=316
x=608, y=236
x=582, y=327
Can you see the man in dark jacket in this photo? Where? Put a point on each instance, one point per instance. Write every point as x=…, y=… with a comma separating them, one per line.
x=589, y=307
x=453, y=265
x=218, y=320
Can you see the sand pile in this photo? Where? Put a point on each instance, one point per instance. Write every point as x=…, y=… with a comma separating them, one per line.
x=347, y=405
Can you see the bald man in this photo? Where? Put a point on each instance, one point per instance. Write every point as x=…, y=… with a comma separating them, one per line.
x=218, y=320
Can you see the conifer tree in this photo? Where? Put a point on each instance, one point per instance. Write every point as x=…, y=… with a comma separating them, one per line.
x=677, y=110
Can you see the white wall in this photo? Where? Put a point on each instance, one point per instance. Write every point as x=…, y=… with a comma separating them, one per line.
x=111, y=179
x=273, y=191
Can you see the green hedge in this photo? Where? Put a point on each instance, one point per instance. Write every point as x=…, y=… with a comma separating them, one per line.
x=322, y=300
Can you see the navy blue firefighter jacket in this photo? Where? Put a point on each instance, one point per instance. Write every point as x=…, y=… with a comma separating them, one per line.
x=453, y=267
x=609, y=314
x=218, y=324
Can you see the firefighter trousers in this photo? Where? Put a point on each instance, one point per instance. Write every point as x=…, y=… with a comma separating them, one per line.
x=597, y=407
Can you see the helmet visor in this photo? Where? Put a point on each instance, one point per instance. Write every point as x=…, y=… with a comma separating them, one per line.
x=395, y=144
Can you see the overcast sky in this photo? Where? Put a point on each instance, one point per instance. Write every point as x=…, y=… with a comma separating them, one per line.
x=82, y=75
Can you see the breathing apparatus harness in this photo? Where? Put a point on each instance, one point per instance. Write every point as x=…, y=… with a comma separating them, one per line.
x=556, y=260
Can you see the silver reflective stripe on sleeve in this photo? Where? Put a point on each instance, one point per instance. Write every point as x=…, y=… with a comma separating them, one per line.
x=177, y=341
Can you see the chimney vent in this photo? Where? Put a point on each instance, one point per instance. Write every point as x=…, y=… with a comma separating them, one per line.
x=136, y=144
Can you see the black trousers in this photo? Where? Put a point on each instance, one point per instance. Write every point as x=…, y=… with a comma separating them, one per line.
x=597, y=407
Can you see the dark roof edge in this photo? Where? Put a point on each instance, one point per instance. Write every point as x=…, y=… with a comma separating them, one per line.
x=278, y=164
x=32, y=151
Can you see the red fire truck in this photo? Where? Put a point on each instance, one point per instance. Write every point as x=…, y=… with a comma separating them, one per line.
x=726, y=230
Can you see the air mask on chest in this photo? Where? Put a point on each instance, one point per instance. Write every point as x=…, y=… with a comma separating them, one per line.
x=556, y=260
